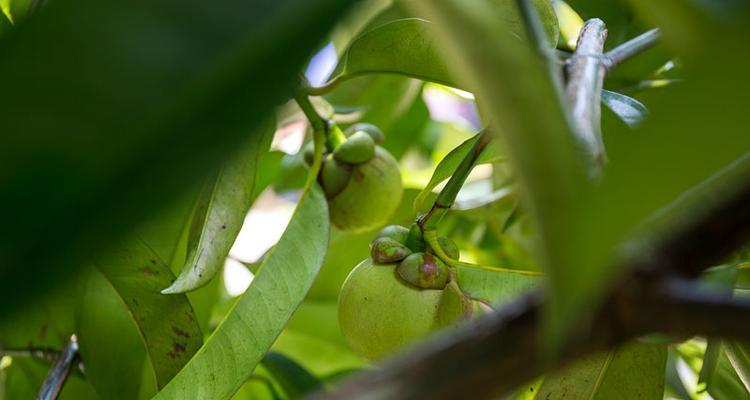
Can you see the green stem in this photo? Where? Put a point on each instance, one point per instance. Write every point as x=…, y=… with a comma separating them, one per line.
x=333, y=135
x=447, y=196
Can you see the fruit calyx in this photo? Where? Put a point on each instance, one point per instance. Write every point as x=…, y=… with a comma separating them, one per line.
x=418, y=265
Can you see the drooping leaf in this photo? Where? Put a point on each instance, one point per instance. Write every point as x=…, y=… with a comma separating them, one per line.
x=232, y=352
x=117, y=125
x=447, y=166
x=293, y=378
x=166, y=323
x=630, y=110
x=634, y=371
x=221, y=211
x=721, y=378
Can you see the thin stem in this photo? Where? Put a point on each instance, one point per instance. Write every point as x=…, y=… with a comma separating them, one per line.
x=55, y=380
x=334, y=136
x=585, y=73
x=328, y=86
x=447, y=196
x=631, y=48
x=41, y=353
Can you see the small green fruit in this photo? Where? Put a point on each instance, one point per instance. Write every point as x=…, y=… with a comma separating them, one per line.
x=357, y=149
x=424, y=271
x=375, y=133
x=415, y=241
x=386, y=250
x=334, y=176
x=370, y=197
x=379, y=313
x=449, y=247
x=396, y=232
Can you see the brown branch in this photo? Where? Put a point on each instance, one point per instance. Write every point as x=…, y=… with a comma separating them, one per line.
x=585, y=79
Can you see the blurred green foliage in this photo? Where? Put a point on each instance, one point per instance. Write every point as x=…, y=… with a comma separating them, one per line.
x=114, y=116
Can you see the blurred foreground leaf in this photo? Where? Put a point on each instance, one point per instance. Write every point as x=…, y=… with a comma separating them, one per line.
x=128, y=106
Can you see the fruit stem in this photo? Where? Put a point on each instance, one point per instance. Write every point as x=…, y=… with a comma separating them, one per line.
x=333, y=134
x=447, y=196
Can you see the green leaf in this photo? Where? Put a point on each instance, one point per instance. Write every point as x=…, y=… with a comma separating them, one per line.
x=719, y=375
x=496, y=287
x=634, y=371
x=523, y=109
x=5, y=8
x=293, y=378
x=221, y=212
x=166, y=324
x=47, y=323
x=236, y=347
x=405, y=46
x=630, y=110
x=24, y=377
x=447, y=167
x=117, y=125
x=108, y=340
x=570, y=24
x=408, y=46
x=739, y=355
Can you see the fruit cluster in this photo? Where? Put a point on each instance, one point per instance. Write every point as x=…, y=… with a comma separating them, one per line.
x=361, y=180
x=401, y=294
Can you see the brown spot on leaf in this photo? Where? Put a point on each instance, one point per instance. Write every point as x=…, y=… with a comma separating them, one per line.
x=177, y=350
x=148, y=271
x=180, y=332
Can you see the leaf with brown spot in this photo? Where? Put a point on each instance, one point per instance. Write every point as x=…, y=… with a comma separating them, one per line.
x=163, y=324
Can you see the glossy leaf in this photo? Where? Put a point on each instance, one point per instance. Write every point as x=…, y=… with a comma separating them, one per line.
x=166, y=324
x=221, y=211
x=628, y=109
x=118, y=124
x=408, y=46
x=446, y=167
x=261, y=313
x=635, y=371
x=405, y=46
